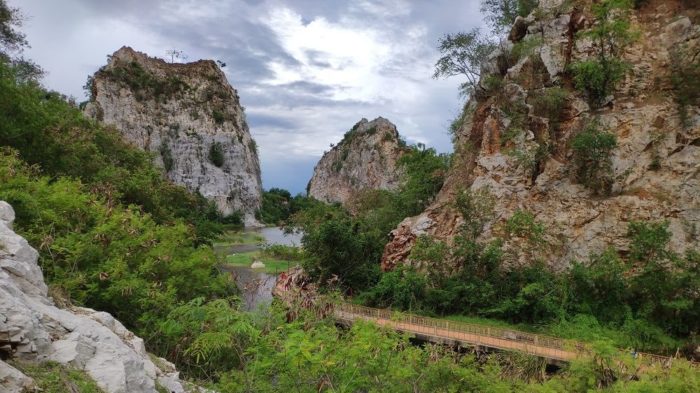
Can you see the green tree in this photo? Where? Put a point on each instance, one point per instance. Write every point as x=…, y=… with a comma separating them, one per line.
x=593, y=158
x=501, y=14
x=610, y=34
x=463, y=55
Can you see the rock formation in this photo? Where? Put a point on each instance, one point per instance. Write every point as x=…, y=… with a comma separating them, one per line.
x=525, y=163
x=190, y=117
x=33, y=329
x=366, y=158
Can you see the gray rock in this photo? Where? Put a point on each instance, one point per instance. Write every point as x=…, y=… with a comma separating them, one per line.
x=13, y=380
x=34, y=329
x=182, y=124
x=366, y=158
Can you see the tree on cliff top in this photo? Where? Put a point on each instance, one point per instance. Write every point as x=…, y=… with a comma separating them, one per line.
x=463, y=54
x=11, y=39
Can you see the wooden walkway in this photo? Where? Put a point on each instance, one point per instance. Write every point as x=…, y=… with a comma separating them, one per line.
x=452, y=332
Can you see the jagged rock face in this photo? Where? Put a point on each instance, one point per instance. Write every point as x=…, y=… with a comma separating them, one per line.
x=32, y=328
x=366, y=159
x=655, y=166
x=190, y=118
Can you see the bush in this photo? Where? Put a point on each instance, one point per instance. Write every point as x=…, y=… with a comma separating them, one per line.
x=218, y=116
x=106, y=256
x=142, y=82
x=592, y=159
x=610, y=34
x=502, y=13
x=523, y=224
x=598, y=78
x=216, y=154
x=685, y=78
x=550, y=103
x=167, y=156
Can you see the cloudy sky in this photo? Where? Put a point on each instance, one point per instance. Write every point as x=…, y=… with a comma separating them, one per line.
x=305, y=70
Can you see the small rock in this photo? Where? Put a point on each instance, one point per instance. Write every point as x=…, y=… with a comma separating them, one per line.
x=257, y=265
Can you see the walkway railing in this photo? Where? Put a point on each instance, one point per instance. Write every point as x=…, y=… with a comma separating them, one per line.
x=473, y=334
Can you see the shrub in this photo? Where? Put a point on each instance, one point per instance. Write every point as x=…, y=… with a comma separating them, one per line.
x=218, y=116
x=216, y=154
x=476, y=209
x=523, y=224
x=142, y=82
x=610, y=34
x=524, y=48
x=592, y=159
x=598, y=78
x=550, y=103
x=501, y=14
x=167, y=156
x=685, y=78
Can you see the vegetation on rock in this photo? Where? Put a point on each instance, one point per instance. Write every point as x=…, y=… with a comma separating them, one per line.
x=592, y=158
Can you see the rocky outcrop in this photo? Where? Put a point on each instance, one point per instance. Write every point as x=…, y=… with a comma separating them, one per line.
x=190, y=117
x=366, y=159
x=655, y=166
x=33, y=329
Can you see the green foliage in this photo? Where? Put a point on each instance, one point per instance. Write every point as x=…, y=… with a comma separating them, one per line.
x=349, y=246
x=142, y=82
x=429, y=251
x=341, y=250
x=104, y=256
x=598, y=78
x=402, y=289
x=610, y=35
x=550, y=103
x=523, y=224
x=524, y=48
x=278, y=206
x=206, y=338
x=476, y=208
x=49, y=132
x=463, y=54
x=501, y=14
x=492, y=84
x=167, y=156
x=685, y=78
x=424, y=172
x=51, y=377
x=592, y=159
x=218, y=116
x=216, y=154
x=11, y=39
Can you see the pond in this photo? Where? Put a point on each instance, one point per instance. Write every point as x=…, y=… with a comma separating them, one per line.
x=255, y=284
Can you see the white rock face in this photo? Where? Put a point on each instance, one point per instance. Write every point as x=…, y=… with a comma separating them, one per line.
x=186, y=114
x=33, y=329
x=366, y=158
x=655, y=166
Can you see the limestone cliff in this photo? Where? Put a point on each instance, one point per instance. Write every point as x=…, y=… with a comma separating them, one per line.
x=518, y=148
x=366, y=158
x=190, y=117
x=33, y=329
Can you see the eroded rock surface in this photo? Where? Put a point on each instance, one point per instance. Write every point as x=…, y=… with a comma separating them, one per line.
x=366, y=159
x=190, y=117
x=33, y=329
x=655, y=166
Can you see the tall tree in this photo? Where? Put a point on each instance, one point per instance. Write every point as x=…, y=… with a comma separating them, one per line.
x=463, y=54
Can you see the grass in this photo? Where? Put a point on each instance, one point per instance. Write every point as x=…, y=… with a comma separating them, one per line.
x=583, y=328
x=52, y=377
x=236, y=238
x=272, y=265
